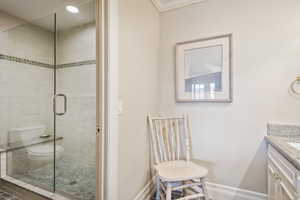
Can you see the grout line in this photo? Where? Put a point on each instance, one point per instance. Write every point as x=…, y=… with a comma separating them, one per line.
x=40, y=64
x=75, y=64
x=25, y=61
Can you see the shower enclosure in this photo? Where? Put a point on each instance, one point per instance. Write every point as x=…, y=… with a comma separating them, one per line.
x=48, y=100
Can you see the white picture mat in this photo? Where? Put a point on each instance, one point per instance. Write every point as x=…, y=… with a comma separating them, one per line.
x=225, y=94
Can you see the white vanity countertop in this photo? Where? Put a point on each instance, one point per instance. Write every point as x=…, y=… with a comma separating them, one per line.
x=282, y=145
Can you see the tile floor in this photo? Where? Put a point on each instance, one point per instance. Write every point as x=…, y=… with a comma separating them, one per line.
x=73, y=179
x=7, y=196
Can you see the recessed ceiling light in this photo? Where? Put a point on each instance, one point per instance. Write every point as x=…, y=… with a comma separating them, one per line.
x=72, y=9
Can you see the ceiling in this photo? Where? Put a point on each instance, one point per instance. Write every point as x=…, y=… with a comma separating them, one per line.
x=166, y=5
x=40, y=12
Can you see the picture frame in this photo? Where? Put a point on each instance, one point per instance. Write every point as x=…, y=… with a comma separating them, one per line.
x=204, y=70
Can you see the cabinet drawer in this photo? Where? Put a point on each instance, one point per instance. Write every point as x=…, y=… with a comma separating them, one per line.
x=286, y=169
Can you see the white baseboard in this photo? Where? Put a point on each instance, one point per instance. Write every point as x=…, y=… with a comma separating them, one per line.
x=216, y=191
x=147, y=191
x=223, y=192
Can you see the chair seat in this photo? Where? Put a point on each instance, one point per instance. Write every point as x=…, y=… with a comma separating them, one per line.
x=180, y=170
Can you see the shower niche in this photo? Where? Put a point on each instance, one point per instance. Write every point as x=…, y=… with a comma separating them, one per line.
x=48, y=100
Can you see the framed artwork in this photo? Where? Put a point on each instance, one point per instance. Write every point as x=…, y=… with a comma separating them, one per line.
x=203, y=70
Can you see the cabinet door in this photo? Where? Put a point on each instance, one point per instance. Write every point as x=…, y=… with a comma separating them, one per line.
x=284, y=192
x=272, y=184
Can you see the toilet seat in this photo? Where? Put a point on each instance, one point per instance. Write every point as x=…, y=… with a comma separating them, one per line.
x=44, y=151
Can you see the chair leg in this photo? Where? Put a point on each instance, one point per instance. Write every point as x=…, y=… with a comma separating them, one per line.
x=157, y=197
x=169, y=192
x=204, y=188
x=183, y=190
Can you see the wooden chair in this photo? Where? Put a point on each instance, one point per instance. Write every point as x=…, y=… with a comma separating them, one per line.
x=170, y=143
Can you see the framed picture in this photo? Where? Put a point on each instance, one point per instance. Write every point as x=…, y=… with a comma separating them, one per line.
x=203, y=70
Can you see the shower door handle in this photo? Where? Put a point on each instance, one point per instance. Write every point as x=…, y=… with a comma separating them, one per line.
x=65, y=104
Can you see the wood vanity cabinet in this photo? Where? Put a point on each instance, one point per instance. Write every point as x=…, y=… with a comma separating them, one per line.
x=283, y=183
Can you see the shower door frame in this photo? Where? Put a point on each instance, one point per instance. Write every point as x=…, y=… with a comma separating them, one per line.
x=102, y=112
x=101, y=100
x=108, y=139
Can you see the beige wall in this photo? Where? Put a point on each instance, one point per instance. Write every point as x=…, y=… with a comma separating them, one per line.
x=138, y=86
x=266, y=35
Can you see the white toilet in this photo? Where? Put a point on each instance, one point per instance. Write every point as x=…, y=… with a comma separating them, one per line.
x=38, y=152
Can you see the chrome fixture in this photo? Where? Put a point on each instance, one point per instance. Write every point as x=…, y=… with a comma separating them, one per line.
x=294, y=84
x=65, y=104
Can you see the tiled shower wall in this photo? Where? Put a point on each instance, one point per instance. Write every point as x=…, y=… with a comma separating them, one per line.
x=77, y=44
x=77, y=80
x=27, y=41
x=26, y=84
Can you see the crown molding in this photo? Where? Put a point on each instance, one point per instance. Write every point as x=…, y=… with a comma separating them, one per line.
x=163, y=7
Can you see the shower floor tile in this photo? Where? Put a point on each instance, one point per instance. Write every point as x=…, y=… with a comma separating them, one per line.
x=73, y=179
x=7, y=196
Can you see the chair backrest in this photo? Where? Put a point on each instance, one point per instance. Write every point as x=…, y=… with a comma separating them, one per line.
x=170, y=138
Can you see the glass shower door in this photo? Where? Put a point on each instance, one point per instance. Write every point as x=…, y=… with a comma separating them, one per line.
x=75, y=85
x=48, y=102
x=26, y=115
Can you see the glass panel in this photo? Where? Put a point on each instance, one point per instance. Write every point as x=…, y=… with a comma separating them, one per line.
x=76, y=78
x=26, y=84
